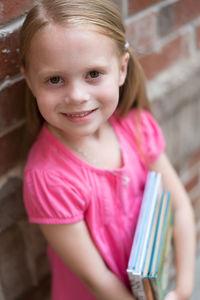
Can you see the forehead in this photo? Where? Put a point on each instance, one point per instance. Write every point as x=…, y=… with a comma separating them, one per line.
x=55, y=41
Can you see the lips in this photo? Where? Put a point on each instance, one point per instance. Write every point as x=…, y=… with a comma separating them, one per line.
x=79, y=114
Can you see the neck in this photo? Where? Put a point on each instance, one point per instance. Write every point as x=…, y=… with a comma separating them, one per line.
x=101, y=150
x=80, y=141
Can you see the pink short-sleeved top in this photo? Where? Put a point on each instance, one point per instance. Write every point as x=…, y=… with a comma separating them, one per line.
x=60, y=188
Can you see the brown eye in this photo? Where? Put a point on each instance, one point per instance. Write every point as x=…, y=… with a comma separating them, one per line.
x=55, y=80
x=94, y=74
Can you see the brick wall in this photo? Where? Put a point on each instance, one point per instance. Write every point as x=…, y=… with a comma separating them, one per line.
x=23, y=263
x=166, y=37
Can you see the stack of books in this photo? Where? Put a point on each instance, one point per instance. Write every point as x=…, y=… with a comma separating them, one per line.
x=148, y=266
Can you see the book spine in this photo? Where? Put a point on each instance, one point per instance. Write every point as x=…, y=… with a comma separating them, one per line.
x=150, y=211
x=137, y=238
x=155, y=289
x=145, y=271
x=148, y=288
x=161, y=282
x=137, y=286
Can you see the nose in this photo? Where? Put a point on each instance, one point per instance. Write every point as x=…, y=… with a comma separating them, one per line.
x=76, y=92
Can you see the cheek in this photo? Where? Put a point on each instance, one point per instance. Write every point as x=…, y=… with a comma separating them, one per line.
x=42, y=108
x=110, y=89
x=44, y=105
x=112, y=92
x=111, y=100
x=44, y=98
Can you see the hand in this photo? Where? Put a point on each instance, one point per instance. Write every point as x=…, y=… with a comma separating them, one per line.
x=173, y=295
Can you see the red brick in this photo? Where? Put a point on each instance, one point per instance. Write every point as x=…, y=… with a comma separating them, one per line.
x=186, y=11
x=194, y=159
x=136, y=6
x=172, y=16
x=145, y=25
x=11, y=9
x=9, y=57
x=170, y=53
x=192, y=183
x=12, y=105
x=10, y=149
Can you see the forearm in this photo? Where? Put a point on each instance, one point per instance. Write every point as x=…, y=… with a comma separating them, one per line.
x=184, y=228
x=184, y=240
x=81, y=256
x=109, y=287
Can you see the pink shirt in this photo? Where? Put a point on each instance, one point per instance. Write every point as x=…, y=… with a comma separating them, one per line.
x=60, y=188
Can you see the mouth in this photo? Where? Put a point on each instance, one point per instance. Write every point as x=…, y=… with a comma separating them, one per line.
x=81, y=114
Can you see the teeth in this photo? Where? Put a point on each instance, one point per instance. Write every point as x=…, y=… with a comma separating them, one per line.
x=78, y=115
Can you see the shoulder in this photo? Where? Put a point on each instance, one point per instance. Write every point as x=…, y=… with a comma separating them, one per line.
x=142, y=127
x=55, y=188
x=137, y=119
x=54, y=197
x=49, y=154
x=50, y=169
x=40, y=150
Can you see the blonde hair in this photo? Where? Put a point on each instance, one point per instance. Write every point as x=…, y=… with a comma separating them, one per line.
x=107, y=20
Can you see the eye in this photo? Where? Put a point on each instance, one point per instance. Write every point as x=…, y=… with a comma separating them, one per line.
x=55, y=80
x=94, y=74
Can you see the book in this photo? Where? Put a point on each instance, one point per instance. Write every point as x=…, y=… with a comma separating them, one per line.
x=150, y=248
x=148, y=289
x=159, y=276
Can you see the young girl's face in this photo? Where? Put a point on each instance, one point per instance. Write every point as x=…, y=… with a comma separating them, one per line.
x=75, y=74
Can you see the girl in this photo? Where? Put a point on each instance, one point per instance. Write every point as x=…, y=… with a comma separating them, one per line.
x=96, y=141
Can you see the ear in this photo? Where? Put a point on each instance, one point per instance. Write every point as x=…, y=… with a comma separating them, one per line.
x=123, y=68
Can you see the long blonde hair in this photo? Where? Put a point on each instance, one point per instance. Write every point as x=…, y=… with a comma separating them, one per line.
x=108, y=21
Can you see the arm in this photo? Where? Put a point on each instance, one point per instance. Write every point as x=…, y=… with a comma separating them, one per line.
x=81, y=256
x=184, y=230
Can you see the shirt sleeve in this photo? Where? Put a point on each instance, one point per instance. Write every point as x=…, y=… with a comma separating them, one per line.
x=148, y=139
x=52, y=199
x=152, y=138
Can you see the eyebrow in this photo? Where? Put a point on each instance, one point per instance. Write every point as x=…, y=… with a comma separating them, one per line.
x=46, y=72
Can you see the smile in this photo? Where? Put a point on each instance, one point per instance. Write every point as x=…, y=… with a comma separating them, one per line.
x=80, y=114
